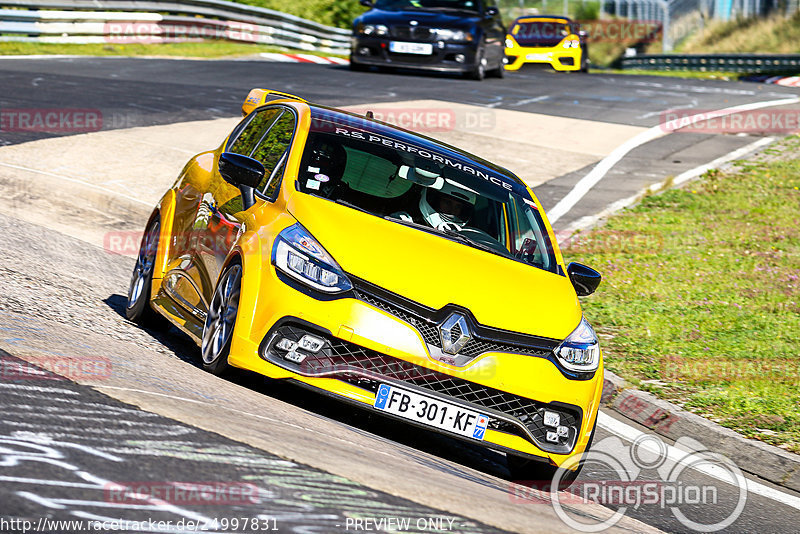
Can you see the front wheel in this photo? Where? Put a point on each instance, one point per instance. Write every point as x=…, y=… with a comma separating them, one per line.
x=478, y=72
x=500, y=71
x=138, y=307
x=220, y=320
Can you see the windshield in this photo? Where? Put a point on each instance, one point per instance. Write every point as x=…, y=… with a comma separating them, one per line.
x=540, y=32
x=414, y=186
x=399, y=5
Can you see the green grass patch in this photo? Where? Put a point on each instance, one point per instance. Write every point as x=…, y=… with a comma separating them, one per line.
x=775, y=34
x=713, y=75
x=700, y=302
x=204, y=49
x=337, y=13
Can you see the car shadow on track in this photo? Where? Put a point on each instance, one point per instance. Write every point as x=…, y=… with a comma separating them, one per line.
x=427, y=448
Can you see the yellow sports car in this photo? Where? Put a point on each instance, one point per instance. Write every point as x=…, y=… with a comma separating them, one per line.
x=556, y=41
x=382, y=267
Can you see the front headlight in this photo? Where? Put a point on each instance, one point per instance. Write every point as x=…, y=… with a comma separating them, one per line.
x=580, y=351
x=571, y=44
x=298, y=255
x=509, y=43
x=373, y=29
x=444, y=34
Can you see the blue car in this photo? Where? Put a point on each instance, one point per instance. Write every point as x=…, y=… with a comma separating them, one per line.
x=455, y=36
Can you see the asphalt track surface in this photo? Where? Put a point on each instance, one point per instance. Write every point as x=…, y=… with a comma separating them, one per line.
x=62, y=444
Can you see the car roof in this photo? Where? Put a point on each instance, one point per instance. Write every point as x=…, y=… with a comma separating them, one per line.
x=345, y=118
x=531, y=18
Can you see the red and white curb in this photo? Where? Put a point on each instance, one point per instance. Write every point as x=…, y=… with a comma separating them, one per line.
x=303, y=58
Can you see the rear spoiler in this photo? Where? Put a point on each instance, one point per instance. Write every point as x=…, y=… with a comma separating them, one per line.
x=259, y=97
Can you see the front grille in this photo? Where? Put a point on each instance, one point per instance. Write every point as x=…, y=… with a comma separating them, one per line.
x=416, y=33
x=426, y=324
x=367, y=368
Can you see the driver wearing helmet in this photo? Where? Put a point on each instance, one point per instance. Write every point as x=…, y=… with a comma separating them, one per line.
x=444, y=204
x=447, y=207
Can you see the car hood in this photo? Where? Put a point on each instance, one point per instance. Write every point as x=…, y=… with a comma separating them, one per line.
x=434, y=271
x=424, y=18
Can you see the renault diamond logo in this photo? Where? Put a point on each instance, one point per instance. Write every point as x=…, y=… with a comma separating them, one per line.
x=454, y=333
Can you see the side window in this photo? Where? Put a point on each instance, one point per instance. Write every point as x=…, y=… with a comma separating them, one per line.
x=270, y=151
x=254, y=131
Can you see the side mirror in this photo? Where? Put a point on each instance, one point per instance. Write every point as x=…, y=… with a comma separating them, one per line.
x=584, y=279
x=366, y=3
x=491, y=11
x=240, y=171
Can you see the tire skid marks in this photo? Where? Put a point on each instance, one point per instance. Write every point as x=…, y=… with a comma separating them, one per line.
x=63, y=449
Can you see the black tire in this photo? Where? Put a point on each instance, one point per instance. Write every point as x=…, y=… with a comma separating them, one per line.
x=541, y=474
x=500, y=71
x=137, y=307
x=478, y=72
x=221, y=320
x=585, y=59
x=358, y=67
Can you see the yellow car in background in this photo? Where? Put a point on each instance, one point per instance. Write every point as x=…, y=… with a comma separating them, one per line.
x=383, y=268
x=557, y=41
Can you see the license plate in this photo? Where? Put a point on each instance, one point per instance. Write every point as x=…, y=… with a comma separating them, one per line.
x=431, y=411
x=538, y=57
x=424, y=49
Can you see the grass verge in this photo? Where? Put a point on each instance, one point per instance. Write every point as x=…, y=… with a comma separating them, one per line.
x=700, y=302
x=713, y=75
x=204, y=49
x=766, y=35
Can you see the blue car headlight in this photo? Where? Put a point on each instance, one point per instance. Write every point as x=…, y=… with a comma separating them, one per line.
x=580, y=351
x=298, y=255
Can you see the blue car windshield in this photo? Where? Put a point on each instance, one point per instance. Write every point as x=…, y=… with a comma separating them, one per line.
x=400, y=5
x=417, y=186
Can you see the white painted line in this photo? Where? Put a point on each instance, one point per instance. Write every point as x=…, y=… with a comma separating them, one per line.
x=697, y=171
x=631, y=434
x=601, y=169
x=591, y=220
x=40, y=389
x=76, y=181
x=531, y=100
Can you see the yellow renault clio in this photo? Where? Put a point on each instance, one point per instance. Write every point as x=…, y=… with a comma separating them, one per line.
x=383, y=267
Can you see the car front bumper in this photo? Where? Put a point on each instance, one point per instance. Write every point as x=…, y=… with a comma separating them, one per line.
x=367, y=345
x=374, y=51
x=558, y=57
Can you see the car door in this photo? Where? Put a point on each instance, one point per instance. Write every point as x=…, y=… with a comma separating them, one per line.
x=267, y=139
